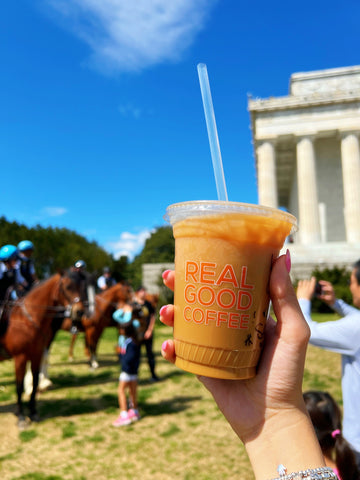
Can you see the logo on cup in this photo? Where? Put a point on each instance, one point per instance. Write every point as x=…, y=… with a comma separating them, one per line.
x=220, y=299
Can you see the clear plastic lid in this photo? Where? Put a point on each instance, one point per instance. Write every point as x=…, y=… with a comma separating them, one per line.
x=181, y=211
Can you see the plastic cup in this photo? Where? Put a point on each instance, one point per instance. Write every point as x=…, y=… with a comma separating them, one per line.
x=223, y=257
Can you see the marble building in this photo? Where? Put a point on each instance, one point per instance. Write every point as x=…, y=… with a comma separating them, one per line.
x=306, y=148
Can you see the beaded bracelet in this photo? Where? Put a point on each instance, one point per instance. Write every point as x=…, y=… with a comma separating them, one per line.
x=320, y=473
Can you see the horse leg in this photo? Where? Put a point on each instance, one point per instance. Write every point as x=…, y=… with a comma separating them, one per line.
x=44, y=380
x=35, y=366
x=93, y=362
x=90, y=345
x=28, y=382
x=71, y=348
x=20, y=367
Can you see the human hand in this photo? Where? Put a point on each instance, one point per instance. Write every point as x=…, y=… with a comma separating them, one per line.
x=276, y=389
x=147, y=334
x=306, y=288
x=126, y=307
x=327, y=292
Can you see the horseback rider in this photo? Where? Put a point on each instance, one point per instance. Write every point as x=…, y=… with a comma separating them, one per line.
x=105, y=281
x=11, y=280
x=87, y=294
x=87, y=290
x=27, y=268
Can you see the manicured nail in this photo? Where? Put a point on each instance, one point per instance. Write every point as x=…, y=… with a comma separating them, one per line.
x=162, y=310
x=288, y=261
x=165, y=274
x=164, y=346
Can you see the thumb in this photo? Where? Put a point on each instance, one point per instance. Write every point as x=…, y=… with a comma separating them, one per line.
x=291, y=324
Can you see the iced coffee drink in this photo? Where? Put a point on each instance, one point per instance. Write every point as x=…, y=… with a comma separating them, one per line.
x=223, y=257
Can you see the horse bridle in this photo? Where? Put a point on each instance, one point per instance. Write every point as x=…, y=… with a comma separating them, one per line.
x=63, y=291
x=58, y=308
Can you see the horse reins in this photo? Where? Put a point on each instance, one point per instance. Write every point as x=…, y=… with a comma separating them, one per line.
x=49, y=308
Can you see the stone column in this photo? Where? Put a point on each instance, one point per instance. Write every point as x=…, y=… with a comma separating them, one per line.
x=350, y=158
x=309, y=222
x=267, y=185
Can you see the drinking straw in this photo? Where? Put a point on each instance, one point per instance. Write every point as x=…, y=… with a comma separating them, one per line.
x=212, y=132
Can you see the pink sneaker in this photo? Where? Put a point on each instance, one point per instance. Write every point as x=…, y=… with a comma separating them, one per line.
x=133, y=415
x=122, y=420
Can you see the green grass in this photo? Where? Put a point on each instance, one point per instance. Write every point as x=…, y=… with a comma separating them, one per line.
x=37, y=476
x=28, y=435
x=76, y=441
x=68, y=430
x=172, y=429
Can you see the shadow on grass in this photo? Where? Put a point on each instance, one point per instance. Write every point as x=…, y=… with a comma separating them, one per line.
x=8, y=382
x=173, y=405
x=69, y=379
x=55, y=408
x=64, y=407
x=103, y=360
x=48, y=407
x=174, y=375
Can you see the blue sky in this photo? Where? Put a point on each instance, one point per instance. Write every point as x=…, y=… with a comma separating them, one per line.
x=101, y=118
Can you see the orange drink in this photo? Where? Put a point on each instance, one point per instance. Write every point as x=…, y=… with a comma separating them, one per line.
x=223, y=257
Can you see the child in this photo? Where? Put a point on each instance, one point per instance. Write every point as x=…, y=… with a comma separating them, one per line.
x=129, y=357
x=326, y=417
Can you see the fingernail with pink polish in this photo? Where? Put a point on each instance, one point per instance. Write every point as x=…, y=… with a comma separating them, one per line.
x=288, y=261
x=162, y=310
x=165, y=274
x=164, y=346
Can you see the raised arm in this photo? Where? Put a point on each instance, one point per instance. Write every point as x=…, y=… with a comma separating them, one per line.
x=267, y=412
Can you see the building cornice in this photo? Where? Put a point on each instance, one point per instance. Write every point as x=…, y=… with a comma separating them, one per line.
x=292, y=101
x=326, y=73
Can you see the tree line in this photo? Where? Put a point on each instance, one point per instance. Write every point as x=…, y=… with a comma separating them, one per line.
x=59, y=248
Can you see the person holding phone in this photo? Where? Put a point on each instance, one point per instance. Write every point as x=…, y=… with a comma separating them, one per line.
x=340, y=336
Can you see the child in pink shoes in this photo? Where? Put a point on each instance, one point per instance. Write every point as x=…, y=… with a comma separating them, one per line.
x=129, y=356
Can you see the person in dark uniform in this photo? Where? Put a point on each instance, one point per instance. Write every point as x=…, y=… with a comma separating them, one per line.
x=148, y=315
x=87, y=290
x=87, y=294
x=26, y=263
x=105, y=281
x=11, y=280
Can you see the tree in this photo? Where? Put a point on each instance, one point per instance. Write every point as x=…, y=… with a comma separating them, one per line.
x=55, y=248
x=120, y=268
x=58, y=248
x=158, y=248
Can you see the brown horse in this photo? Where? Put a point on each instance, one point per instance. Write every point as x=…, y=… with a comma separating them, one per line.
x=105, y=305
x=29, y=328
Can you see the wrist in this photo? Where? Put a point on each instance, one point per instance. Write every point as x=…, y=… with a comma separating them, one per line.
x=287, y=438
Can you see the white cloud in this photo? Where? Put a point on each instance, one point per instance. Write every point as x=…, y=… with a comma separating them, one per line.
x=54, y=211
x=129, y=244
x=129, y=110
x=131, y=35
